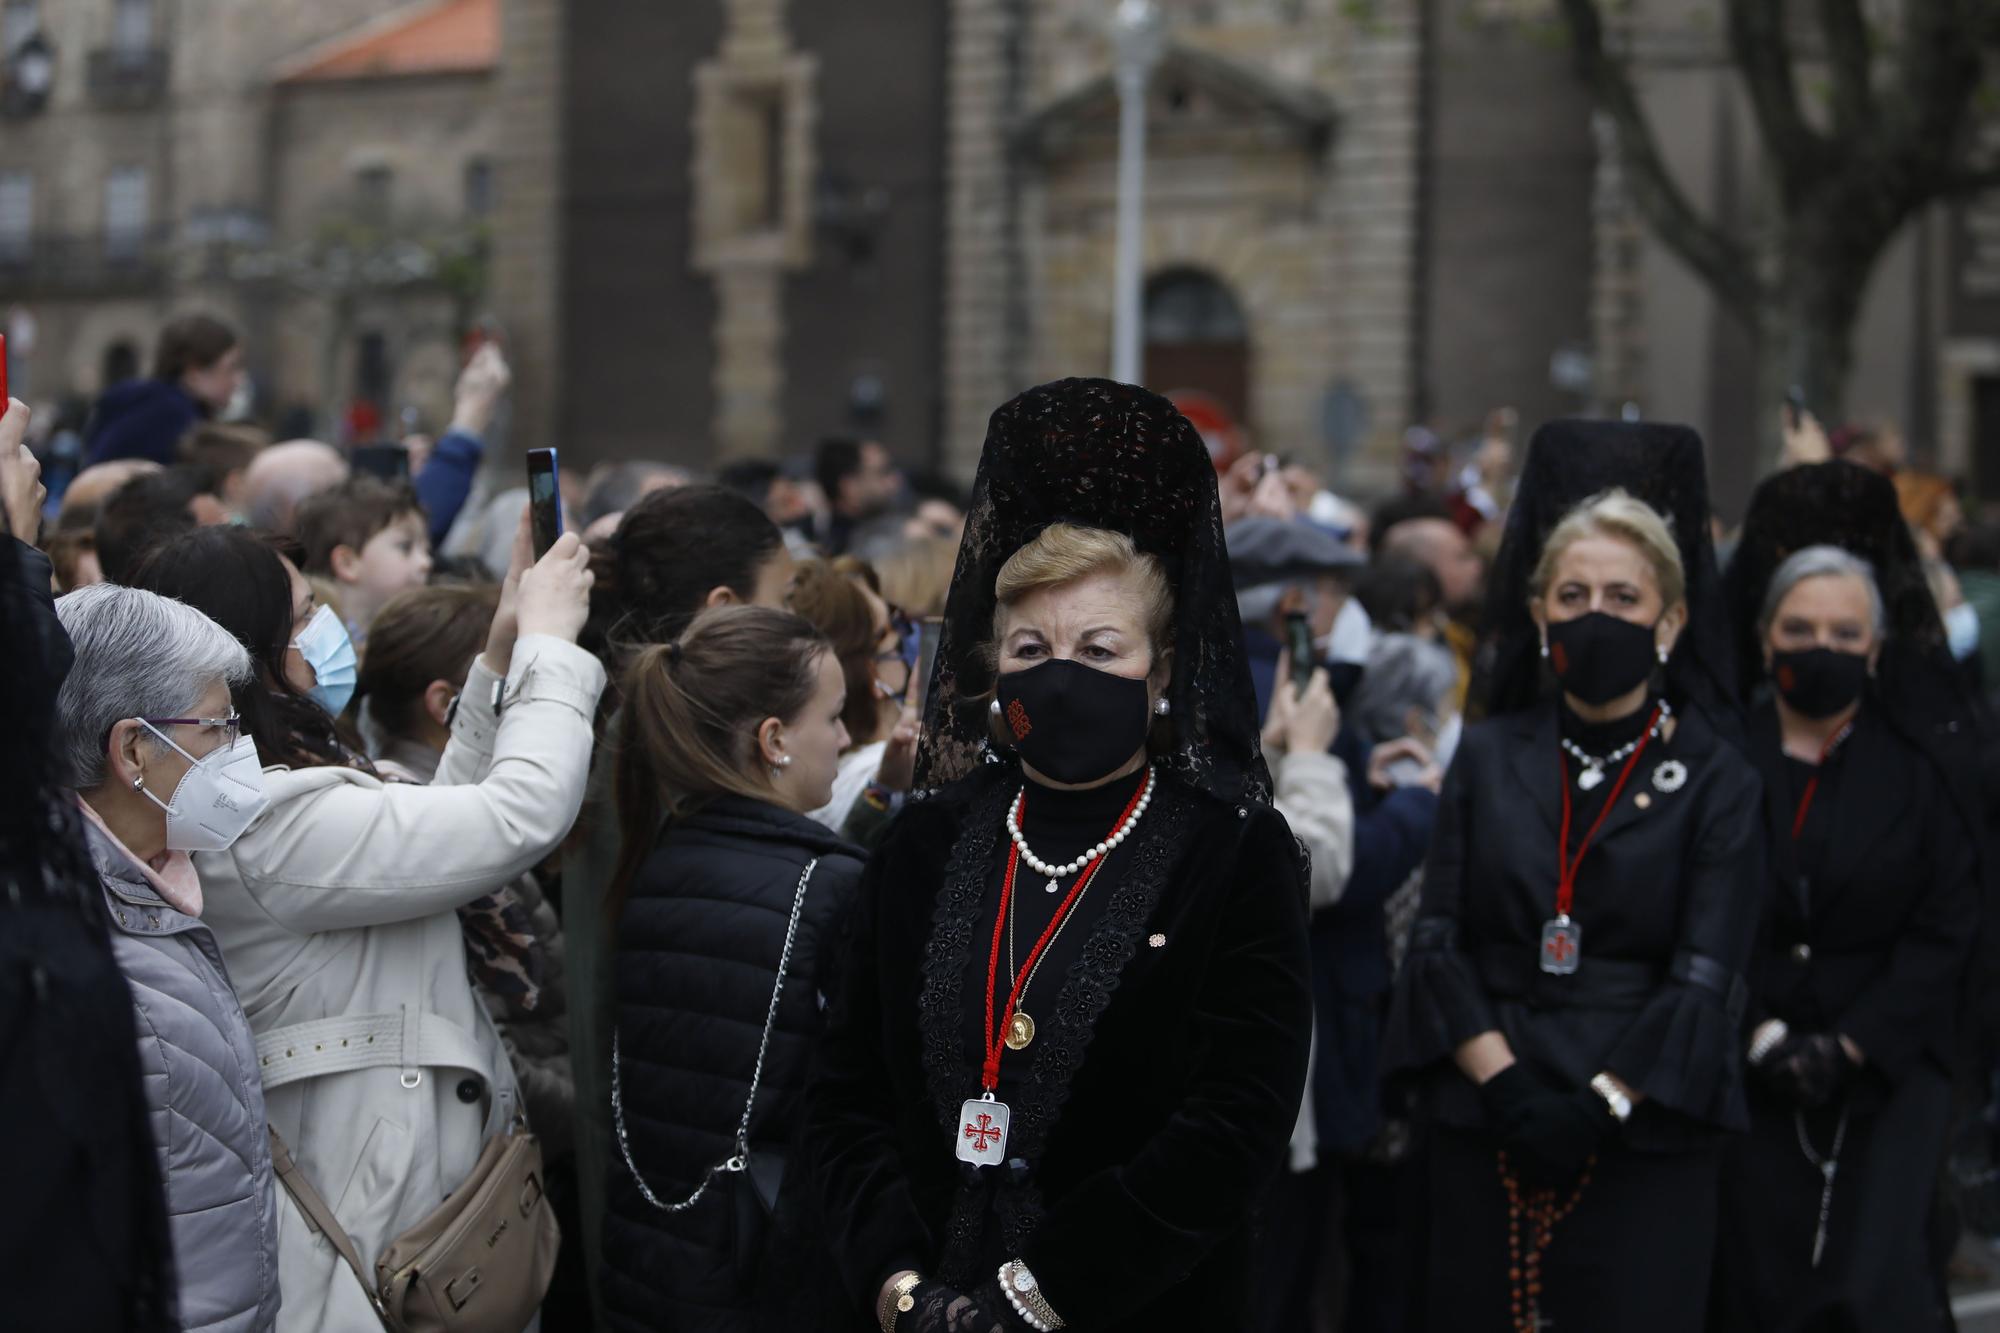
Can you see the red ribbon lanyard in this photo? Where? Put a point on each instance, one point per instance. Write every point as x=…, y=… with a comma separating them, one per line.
x=996, y=1045
x=1567, y=866
x=1812, y=783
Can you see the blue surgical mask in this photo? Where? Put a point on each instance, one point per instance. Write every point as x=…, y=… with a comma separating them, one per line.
x=1961, y=630
x=330, y=653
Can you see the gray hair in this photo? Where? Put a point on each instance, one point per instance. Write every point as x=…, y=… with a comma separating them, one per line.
x=1404, y=671
x=1822, y=562
x=138, y=654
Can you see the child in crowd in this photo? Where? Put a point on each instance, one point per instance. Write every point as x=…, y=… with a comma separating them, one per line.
x=371, y=541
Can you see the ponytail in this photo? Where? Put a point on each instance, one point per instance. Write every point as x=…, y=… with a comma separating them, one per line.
x=688, y=728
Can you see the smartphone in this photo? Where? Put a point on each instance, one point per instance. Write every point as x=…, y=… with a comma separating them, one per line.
x=929, y=632
x=3, y=374
x=1795, y=406
x=1299, y=642
x=544, y=499
x=390, y=462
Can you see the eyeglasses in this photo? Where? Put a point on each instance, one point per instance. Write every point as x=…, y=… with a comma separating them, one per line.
x=232, y=726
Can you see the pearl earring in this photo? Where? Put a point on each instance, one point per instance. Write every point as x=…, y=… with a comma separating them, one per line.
x=1162, y=708
x=1545, y=647
x=139, y=784
x=1663, y=654
x=994, y=708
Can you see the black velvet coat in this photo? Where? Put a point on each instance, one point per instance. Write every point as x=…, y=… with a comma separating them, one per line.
x=1668, y=899
x=1871, y=939
x=1164, y=1084
x=1869, y=920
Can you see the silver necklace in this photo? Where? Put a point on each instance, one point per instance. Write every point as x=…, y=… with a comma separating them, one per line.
x=1055, y=873
x=739, y=1160
x=1593, y=767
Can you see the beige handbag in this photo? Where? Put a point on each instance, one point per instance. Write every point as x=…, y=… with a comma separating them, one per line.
x=479, y=1263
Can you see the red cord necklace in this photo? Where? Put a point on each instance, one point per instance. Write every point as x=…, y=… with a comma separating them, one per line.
x=1833, y=743
x=983, y=1120
x=1562, y=938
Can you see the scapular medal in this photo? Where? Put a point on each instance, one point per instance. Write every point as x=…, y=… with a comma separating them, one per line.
x=982, y=1131
x=1562, y=946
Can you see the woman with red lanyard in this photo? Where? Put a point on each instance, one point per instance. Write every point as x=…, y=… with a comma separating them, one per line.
x=1069, y=1046
x=1569, y=1004
x=1869, y=918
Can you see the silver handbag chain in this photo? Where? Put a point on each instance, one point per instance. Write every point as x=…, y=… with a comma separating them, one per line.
x=741, y=1160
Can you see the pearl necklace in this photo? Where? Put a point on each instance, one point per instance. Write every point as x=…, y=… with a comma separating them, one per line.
x=1090, y=854
x=1593, y=768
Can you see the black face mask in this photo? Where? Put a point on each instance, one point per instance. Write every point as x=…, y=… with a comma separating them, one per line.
x=1819, y=682
x=1071, y=722
x=1598, y=657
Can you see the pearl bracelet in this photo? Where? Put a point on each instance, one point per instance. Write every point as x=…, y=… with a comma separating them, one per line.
x=1773, y=1032
x=1025, y=1295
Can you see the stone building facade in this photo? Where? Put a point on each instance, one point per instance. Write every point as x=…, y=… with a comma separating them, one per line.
x=1282, y=188
x=306, y=171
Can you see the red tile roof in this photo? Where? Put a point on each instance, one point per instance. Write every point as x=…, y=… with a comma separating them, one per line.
x=433, y=37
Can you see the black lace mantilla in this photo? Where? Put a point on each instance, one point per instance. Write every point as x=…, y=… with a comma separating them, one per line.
x=1568, y=462
x=1064, y=1037
x=1104, y=455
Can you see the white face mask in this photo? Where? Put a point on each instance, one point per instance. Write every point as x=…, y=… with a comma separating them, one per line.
x=1961, y=628
x=217, y=798
x=1352, y=636
x=1447, y=740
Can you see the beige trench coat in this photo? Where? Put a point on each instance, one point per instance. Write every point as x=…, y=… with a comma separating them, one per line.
x=340, y=901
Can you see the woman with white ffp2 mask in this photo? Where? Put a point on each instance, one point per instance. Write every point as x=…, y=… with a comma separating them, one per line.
x=151, y=745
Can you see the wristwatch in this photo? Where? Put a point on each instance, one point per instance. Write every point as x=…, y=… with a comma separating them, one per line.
x=897, y=1300
x=1620, y=1104
x=1024, y=1293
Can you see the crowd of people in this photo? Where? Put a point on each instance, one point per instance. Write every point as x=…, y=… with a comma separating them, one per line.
x=1528, y=902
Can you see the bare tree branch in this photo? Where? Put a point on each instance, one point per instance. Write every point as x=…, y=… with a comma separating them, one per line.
x=1763, y=54
x=1848, y=52
x=1712, y=253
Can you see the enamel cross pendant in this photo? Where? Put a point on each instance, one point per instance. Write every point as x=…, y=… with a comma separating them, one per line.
x=982, y=1131
x=1562, y=946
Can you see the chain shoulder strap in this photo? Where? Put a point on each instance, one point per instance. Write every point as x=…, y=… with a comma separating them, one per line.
x=739, y=1161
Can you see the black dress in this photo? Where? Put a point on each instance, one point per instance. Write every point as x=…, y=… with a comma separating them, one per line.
x=1667, y=901
x=1869, y=919
x=1156, y=1099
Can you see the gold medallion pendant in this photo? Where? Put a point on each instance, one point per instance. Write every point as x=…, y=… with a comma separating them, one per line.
x=1020, y=1031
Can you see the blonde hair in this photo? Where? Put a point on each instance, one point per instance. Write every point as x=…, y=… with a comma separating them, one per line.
x=917, y=577
x=1063, y=553
x=1619, y=514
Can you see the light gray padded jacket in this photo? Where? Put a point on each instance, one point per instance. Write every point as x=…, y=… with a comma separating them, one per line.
x=199, y=1062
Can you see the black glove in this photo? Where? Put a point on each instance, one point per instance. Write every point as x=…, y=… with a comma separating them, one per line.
x=1507, y=1096
x=1556, y=1135
x=1811, y=1070
x=941, y=1309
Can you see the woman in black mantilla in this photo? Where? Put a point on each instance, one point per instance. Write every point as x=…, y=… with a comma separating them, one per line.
x=1568, y=1008
x=1871, y=910
x=1145, y=1078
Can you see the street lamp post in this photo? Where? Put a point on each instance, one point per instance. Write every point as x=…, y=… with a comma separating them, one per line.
x=1136, y=38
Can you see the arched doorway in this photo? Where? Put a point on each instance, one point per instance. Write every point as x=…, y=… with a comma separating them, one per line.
x=1196, y=338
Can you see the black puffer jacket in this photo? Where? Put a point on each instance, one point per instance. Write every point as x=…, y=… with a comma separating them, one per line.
x=699, y=940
